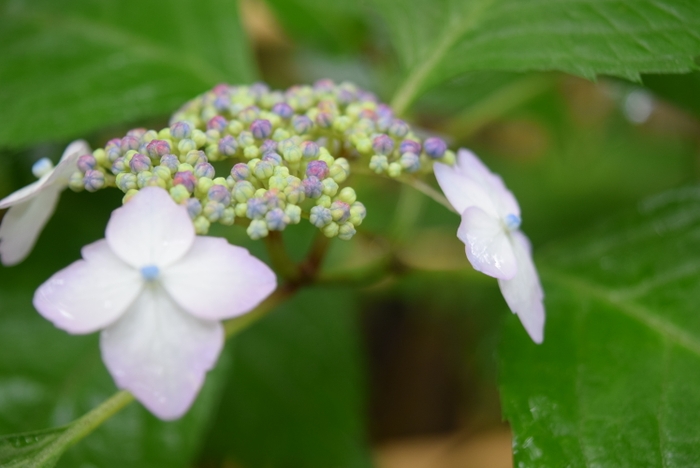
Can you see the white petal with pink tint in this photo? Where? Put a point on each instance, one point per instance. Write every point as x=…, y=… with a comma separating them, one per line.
x=23, y=223
x=151, y=229
x=89, y=294
x=488, y=245
x=161, y=353
x=461, y=191
x=216, y=280
x=524, y=293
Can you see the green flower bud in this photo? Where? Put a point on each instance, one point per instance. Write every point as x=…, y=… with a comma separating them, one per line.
x=346, y=231
x=282, y=171
x=324, y=201
x=142, y=178
x=331, y=229
x=363, y=145
x=294, y=213
x=164, y=134
x=292, y=154
x=330, y=187
x=101, y=157
x=242, y=192
x=203, y=186
x=250, y=152
x=162, y=173
x=186, y=145
x=449, y=158
x=278, y=182
x=185, y=168
x=235, y=127
x=338, y=173
x=357, y=213
x=347, y=195
x=241, y=210
x=257, y=229
x=199, y=137
x=280, y=134
x=201, y=225
x=325, y=156
x=379, y=163
x=228, y=217
x=129, y=195
x=179, y=193
x=75, y=182
x=394, y=169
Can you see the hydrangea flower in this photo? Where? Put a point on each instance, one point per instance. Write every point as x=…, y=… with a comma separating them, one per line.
x=494, y=244
x=158, y=293
x=32, y=206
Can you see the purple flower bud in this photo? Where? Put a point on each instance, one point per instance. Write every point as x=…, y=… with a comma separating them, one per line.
x=186, y=179
x=219, y=193
x=258, y=89
x=139, y=163
x=93, y=180
x=217, y=123
x=383, y=123
x=398, y=128
x=301, y=124
x=273, y=158
x=324, y=85
x=194, y=207
x=221, y=103
x=157, y=149
x=257, y=207
x=129, y=143
x=295, y=191
x=276, y=219
x=309, y=149
x=181, y=130
x=409, y=146
x=113, y=143
x=320, y=216
x=384, y=110
x=228, y=145
x=114, y=152
x=267, y=146
x=313, y=188
x=171, y=162
x=240, y=171
x=283, y=109
x=324, y=119
x=318, y=169
x=340, y=211
x=410, y=162
x=137, y=133
x=383, y=144
x=273, y=198
x=204, y=169
x=435, y=147
x=261, y=128
x=86, y=162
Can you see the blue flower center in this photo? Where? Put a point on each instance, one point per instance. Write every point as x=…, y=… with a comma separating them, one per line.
x=150, y=272
x=42, y=167
x=512, y=222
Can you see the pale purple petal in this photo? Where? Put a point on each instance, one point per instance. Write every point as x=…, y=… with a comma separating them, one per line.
x=216, y=280
x=524, y=293
x=160, y=353
x=67, y=165
x=89, y=294
x=151, y=229
x=488, y=246
x=461, y=191
x=469, y=165
x=25, y=193
x=23, y=223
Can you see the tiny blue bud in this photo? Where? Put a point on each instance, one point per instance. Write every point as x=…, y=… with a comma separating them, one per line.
x=273, y=158
x=409, y=146
x=204, y=169
x=194, y=207
x=93, y=180
x=261, y=128
x=118, y=165
x=213, y=211
x=340, y=211
x=274, y=198
x=126, y=181
x=267, y=146
x=320, y=216
x=150, y=272
x=129, y=143
x=324, y=119
x=43, y=167
x=434, y=147
x=228, y=145
x=181, y=130
x=249, y=114
x=410, y=162
x=276, y=219
x=398, y=128
x=383, y=144
x=512, y=222
x=246, y=138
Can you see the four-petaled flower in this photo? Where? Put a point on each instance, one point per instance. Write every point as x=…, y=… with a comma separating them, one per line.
x=157, y=292
x=494, y=244
x=32, y=206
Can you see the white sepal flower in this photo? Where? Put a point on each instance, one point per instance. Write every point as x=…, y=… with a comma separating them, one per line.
x=157, y=292
x=494, y=244
x=32, y=206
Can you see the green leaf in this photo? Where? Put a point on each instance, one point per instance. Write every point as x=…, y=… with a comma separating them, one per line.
x=49, y=378
x=296, y=395
x=678, y=89
x=68, y=67
x=615, y=382
x=18, y=451
x=439, y=40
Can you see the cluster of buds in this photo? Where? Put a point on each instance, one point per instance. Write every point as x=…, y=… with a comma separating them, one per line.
x=290, y=156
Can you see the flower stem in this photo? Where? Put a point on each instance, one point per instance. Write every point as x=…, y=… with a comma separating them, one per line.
x=281, y=262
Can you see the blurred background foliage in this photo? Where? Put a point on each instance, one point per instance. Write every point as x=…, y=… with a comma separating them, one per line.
x=400, y=372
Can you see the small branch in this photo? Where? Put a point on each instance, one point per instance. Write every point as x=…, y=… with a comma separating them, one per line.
x=421, y=186
x=279, y=257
